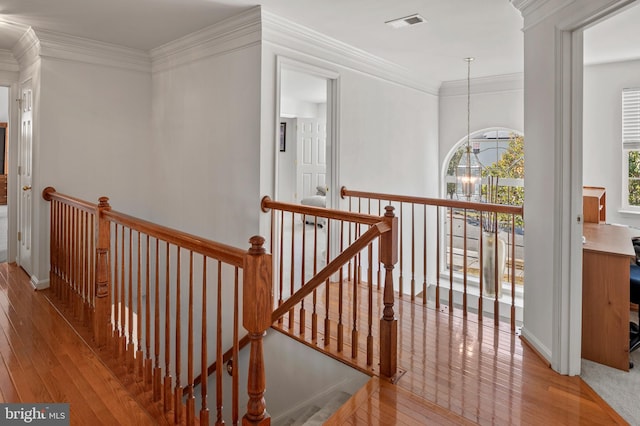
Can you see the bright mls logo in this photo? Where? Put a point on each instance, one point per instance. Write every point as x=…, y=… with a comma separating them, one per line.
x=38, y=414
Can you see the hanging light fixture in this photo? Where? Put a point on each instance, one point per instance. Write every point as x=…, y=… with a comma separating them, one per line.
x=469, y=170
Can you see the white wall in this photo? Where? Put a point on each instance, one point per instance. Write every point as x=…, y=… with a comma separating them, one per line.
x=602, y=136
x=4, y=104
x=287, y=164
x=93, y=139
x=205, y=151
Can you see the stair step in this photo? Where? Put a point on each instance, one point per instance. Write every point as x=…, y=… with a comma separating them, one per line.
x=336, y=401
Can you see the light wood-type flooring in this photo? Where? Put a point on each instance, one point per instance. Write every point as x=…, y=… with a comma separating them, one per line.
x=456, y=372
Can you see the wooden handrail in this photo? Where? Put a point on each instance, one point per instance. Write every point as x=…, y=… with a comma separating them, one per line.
x=441, y=202
x=334, y=266
x=209, y=248
x=267, y=203
x=49, y=194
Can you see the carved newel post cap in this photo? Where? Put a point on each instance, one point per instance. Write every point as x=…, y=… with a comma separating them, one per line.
x=46, y=193
x=388, y=211
x=103, y=202
x=257, y=243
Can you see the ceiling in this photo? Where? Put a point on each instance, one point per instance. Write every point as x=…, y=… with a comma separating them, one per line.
x=489, y=30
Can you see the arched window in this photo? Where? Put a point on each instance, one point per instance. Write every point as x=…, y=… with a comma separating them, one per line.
x=500, y=151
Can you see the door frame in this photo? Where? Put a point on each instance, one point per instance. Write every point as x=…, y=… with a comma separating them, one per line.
x=333, y=83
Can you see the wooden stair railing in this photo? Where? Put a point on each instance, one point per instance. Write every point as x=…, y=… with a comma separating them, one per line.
x=327, y=275
x=415, y=218
x=107, y=267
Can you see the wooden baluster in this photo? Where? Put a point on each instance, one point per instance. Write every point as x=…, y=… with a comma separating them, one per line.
x=388, y=323
x=401, y=280
x=92, y=265
x=481, y=262
x=177, y=399
x=370, y=308
x=235, y=384
x=204, y=409
x=291, y=284
x=281, y=285
x=257, y=308
x=116, y=292
x=464, y=265
x=327, y=298
x=139, y=353
x=450, y=259
x=167, y=331
x=358, y=272
x=53, y=243
x=513, y=272
x=191, y=399
x=148, y=364
x=314, y=314
x=157, y=370
x=102, y=315
x=122, y=344
x=68, y=252
x=340, y=293
x=85, y=267
x=219, y=361
x=73, y=263
x=438, y=219
x=378, y=252
x=497, y=281
x=350, y=241
x=424, y=255
x=354, y=312
x=303, y=313
x=413, y=252
x=130, y=345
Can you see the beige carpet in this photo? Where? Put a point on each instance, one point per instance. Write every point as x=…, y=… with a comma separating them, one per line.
x=3, y=233
x=620, y=389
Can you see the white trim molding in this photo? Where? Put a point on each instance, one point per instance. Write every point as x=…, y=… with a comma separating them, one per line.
x=289, y=35
x=37, y=284
x=492, y=84
x=536, y=11
x=237, y=32
x=8, y=62
x=37, y=43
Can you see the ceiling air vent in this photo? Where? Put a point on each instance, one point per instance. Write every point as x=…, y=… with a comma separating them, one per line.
x=406, y=21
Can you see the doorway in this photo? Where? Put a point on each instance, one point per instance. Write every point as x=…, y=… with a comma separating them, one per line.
x=302, y=146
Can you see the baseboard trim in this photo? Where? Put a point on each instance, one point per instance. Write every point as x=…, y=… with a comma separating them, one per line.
x=530, y=340
x=37, y=284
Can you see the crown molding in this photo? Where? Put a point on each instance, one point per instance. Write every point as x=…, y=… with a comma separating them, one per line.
x=8, y=62
x=39, y=43
x=292, y=36
x=491, y=84
x=536, y=11
x=27, y=49
x=237, y=32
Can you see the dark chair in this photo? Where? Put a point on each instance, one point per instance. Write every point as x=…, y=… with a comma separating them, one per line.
x=634, y=297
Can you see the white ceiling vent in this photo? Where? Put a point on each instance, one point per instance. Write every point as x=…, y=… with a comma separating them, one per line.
x=406, y=21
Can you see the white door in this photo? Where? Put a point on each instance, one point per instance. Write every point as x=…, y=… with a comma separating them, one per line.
x=25, y=203
x=311, y=137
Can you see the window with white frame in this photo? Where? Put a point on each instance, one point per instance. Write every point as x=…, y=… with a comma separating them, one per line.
x=631, y=148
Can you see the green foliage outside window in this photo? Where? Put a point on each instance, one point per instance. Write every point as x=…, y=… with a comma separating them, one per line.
x=634, y=178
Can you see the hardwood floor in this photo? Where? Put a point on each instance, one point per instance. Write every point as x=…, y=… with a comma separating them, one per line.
x=42, y=359
x=456, y=371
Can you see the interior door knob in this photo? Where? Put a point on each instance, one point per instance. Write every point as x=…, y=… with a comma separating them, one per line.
x=26, y=187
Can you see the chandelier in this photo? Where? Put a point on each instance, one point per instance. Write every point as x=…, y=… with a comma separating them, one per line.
x=469, y=170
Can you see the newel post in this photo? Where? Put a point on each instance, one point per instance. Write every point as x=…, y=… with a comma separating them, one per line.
x=257, y=308
x=101, y=316
x=389, y=323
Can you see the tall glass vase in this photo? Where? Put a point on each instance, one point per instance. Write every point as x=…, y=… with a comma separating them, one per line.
x=489, y=282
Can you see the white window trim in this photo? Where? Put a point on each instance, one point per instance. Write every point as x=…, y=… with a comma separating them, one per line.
x=630, y=142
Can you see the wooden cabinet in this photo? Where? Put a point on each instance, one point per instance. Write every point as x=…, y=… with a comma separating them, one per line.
x=594, y=204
